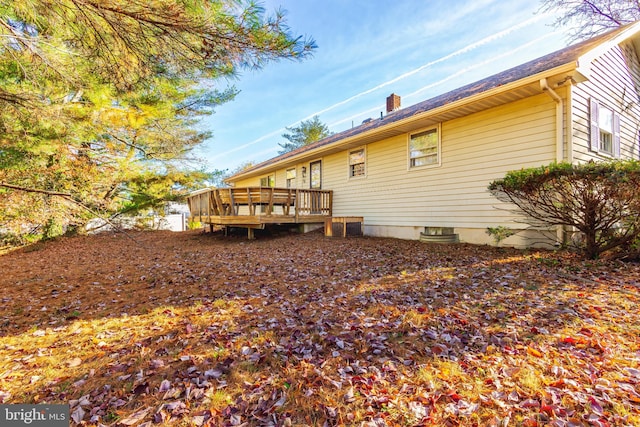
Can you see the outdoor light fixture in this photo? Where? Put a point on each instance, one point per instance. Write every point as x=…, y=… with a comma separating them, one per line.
x=304, y=172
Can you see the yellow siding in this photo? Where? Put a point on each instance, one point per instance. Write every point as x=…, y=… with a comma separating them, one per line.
x=475, y=150
x=281, y=178
x=251, y=182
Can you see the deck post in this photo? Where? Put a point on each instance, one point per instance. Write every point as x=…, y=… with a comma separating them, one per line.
x=252, y=206
x=250, y=234
x=270, y=206
x=232, y=203
x=328, y=227
x=331, y=203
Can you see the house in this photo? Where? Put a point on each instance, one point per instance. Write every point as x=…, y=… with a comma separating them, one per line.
x=426, y=167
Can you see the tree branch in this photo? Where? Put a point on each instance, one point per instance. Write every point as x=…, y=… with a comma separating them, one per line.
x=34, y=190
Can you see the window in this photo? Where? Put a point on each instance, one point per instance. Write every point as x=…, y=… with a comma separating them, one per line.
x=423, y=148
x=605, y=130
x=356, y=163
x=291, y=178
x=268, y=181
x=316, y=174
x=605, y=122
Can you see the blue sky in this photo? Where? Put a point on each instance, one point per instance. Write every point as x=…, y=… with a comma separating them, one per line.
x=368, y=49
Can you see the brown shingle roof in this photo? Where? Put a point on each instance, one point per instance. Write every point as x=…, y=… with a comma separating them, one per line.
x=539, y=65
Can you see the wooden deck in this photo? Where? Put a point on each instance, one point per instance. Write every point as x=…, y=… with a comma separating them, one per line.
x=255, y=207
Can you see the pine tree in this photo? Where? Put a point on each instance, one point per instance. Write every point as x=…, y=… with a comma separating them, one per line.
x=99, y=100
x=307, y=132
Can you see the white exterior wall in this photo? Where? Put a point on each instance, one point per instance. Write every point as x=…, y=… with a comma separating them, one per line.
x=614, y=81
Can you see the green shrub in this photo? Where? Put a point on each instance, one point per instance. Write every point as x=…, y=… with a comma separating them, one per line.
x=499, y=233
x=192, y=225
x=52, y=228
x=600, y=199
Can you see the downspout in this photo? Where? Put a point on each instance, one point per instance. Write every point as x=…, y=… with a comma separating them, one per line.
x=559, y=119
x=560, y=230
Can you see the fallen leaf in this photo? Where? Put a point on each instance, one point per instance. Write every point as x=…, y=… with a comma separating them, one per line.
x=135, y=418
x=78, y=414
x=76, y=361
x=533, y=352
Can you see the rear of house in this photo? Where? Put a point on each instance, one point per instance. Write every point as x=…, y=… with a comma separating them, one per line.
x=428, y=166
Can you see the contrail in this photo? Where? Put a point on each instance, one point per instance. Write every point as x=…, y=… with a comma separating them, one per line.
x=249, y=144
x=450, y=77
x=465, y=49
x=458, y=52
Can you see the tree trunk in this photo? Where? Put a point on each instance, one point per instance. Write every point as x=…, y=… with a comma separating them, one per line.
x=591, y=248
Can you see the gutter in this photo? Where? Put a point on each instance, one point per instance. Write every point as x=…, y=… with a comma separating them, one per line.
x=544, y=85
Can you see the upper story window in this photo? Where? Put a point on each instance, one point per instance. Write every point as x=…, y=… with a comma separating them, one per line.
x=291, y=178
x=357, y=163
x=605, y=130
x=424, y=148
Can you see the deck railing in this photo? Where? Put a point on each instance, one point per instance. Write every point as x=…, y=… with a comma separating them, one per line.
x=260, y=201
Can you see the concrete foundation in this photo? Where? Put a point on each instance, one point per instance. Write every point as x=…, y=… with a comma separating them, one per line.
x=478, y=236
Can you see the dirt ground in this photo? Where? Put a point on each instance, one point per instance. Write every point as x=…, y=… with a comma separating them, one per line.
x=200, y=329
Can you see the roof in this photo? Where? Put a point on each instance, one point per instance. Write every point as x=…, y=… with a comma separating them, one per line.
x=569, y=58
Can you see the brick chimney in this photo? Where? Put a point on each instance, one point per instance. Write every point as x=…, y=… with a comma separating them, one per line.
x=393, y=102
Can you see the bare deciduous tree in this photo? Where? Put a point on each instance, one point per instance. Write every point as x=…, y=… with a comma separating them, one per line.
x=586, y=18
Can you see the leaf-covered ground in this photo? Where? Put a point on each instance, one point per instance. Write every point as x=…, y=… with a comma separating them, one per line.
x=198, y=329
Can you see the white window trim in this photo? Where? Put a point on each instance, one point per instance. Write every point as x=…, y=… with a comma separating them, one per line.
x=438, y=163
x=295, y=178
x=271, y=175
x=594, y=130
x=364, y=148
x=321, y=173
